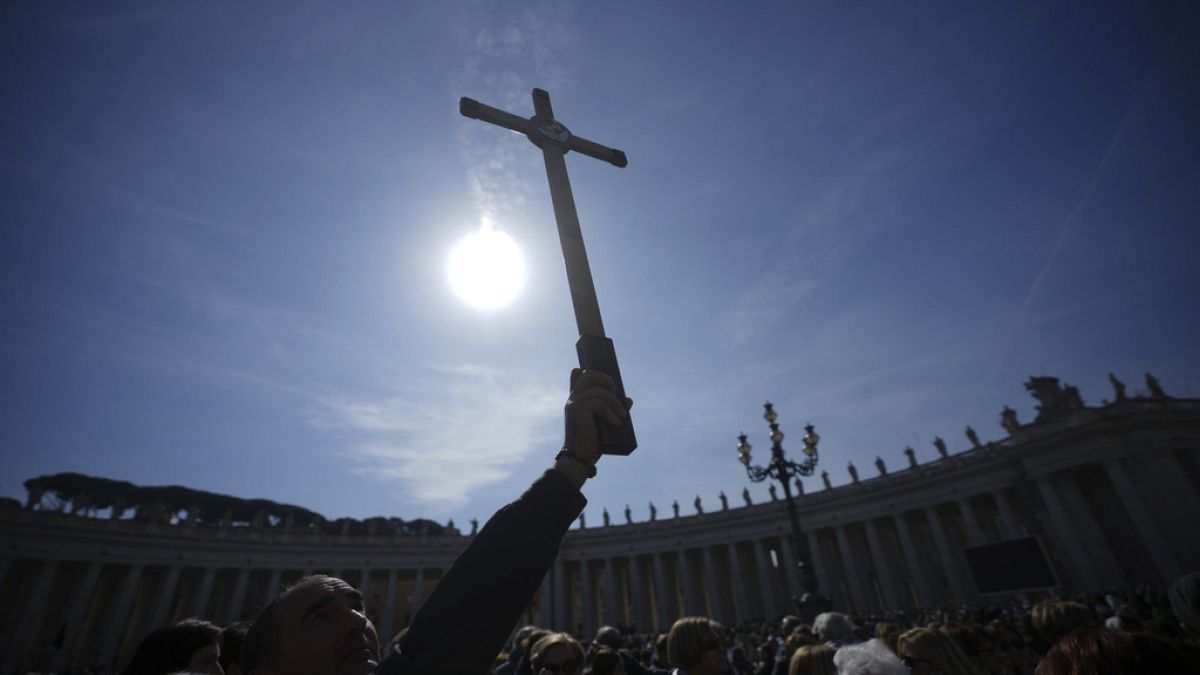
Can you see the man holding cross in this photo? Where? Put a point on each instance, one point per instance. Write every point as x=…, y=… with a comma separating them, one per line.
x=320, y=627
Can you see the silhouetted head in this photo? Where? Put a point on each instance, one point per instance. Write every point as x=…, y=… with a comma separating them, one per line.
x=318, y=626
x=189, y=645
x=695, y=646
x=608, y=636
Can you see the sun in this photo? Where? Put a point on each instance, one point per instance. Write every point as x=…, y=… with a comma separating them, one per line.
x=486, y=269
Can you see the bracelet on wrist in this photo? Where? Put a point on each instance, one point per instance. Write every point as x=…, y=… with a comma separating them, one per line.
x=566, y=453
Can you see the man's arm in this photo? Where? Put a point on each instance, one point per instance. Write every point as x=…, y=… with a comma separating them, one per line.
x=463, y=625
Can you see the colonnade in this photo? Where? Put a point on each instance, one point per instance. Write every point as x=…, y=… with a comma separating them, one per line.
x=1112, y=495
x=1094, y=522
x=63, y=614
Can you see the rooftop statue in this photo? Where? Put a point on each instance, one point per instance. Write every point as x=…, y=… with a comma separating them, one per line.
x=799, y=487
x=973, y=437
x=604, y=513
x=628, y=515
x=941, y=447
x=699, y=507
x=724, y=501
x=774, y=494
x=675, y=507
x=853, y=472
x=912, y=457
x=653, y=512
x=1118, y=387
x=1055, y=400
x=1155, y=387
x=1008, y=420
x=880, y=465
x=825, y=479
x=746, y=496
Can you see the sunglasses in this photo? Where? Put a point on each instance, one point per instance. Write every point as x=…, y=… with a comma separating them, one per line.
x=569, y=666
x=910, y=661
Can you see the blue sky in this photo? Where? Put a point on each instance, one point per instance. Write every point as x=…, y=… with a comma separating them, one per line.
x=226, y=227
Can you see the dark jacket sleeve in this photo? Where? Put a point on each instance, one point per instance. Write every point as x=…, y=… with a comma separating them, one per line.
x=474, y=607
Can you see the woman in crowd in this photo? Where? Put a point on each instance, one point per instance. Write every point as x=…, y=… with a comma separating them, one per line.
x=607, y=662
x=694, y=648
x=813, y=660
x=190, y=645
x=1109, y=652
x=557, y=654
x=931, y=652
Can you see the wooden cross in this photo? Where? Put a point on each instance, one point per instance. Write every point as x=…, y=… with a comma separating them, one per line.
x=595, y=350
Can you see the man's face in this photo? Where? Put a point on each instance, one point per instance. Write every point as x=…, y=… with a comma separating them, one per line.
x=206, y=660
x=324, y=630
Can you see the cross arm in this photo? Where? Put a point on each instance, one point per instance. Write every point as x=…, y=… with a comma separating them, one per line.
x=469, y=107
x=597, y=151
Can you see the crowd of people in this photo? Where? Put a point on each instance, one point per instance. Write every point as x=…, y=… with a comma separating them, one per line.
x=1140, y=631
x=319, y=626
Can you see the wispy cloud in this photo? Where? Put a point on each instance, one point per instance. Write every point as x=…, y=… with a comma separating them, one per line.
x=456, y=429
x=506, y=54
x=760, y=306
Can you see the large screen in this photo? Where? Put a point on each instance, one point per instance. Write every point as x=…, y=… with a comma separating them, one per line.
x=1010, y=566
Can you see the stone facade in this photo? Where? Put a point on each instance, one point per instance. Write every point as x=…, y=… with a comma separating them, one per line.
x=1113, y=493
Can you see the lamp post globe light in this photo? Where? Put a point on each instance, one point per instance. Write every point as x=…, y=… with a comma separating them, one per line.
x=780, y=468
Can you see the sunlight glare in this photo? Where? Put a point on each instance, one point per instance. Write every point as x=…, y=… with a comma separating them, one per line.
x=486, y=269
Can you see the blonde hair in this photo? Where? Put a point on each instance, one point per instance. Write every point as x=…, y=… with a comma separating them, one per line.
x=813, y=660
x=687, y=640
x=539, y=649
x=1054, y=619
x=938, y=649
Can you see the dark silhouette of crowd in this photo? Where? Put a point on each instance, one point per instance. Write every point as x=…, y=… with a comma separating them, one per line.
x=1142, y=630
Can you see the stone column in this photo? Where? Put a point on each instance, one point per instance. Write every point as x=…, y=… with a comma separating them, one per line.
x=661, y=593
x=586, y=599
x=691, y=605
x=788, y=553
x=561, y=612
x=819, y=568
x=766, y=580
x=273, y=584
x=637, y=594
x=203, y=595
x=948, y=556
x=857, y=594
x=239, y=596
x=1087, y=529
x=80, y=600
x=616, y=611
x=166, y=598
x=1172, y=481
x=887, y=577
x=418, y=590
x=912, y=561
x=715, y=585
x=741, y=603
x=970, y=523
x=1144, y=524
x=1068, y=545
x=119, y=618
x=1012, y=524
x=29, y=616
x=364, y=582
x=389, y=608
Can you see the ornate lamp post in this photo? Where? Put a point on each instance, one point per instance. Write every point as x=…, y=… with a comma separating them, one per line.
x=783, y=470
